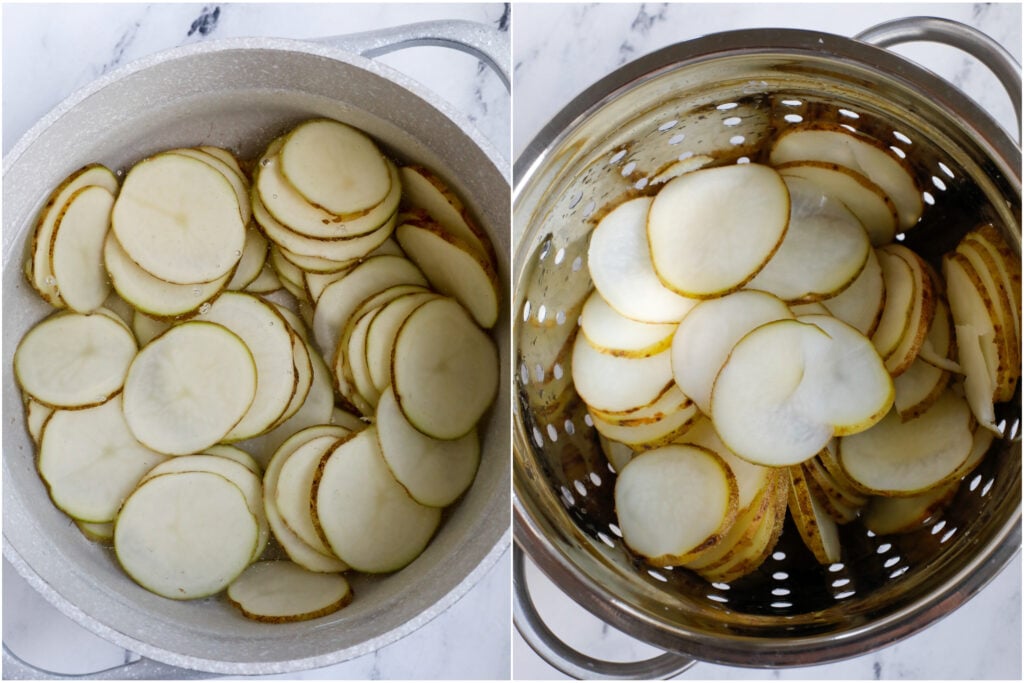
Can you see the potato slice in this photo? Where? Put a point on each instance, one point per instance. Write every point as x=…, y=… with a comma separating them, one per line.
x=866, y=200
x=178, y=218
x=100, y=532
x=980, y=445
x=294, y=487
x=453, y=267
x=619, y=260
x=673, y=502
x=148, y=328
x=70, y=360
x=36, y=416
x=223, y=450
x=435, y=472
x=939, y=347
x=279, y=592
x=357, y=375
x=303, y=365
x=861, y=304
x=680, y=166
x=824, y=249
x=900, y=294
x=185, y=535
x=708, y=333
x=859, y=153
x=1008, y=264
x=363, y=513
x=751, y=479
x=618, y=454
x=380, y=337
x=671, y=401
x=237, y=181
x=921, y=312
x=651, y=433
x=818, y=531
x=335, y=167
x=91, y=462
x=425, y=190
x=76, y=253
x=885, y=515
x=39, y=270
x=189, y=387
x=298, y=550
x=611, y=332
x=268, y=338
x=897, y=458
x=923, y=382
x=149, y=294
x=713, y=230
x=831, y=504
x=265, y=283
x=445, y=369
x=247, y=481
x=618, y=383
x=254, y=256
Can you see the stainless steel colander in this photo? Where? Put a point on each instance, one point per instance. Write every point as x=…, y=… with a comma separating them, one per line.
x=725, y=96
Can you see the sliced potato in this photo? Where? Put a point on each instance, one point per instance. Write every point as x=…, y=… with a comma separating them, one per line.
x=650, y=433
x=380, y=337
x=295, y=484
x=76, y=253
x=189, y=387
x=816, y=528
x=36, y=416
x=618, y=454
x=186, y=535
x=674, y=501
x=363, y=513
x=671, y=401
x=610, y=331
x=751, y=479
x=425, y=190
x=91, y=462
x=921, y=313
x=251, y=262
x=223, y=450
x=713, y=230
x=237, y=181
x=900, y=294
x=148, y=328
x=619, y=259
x=898, y=458
x=70, y=360
x=618, y=383
x=885, y=515
x=278, y=592
x=824, y=249
x=861, y=304
x=445, y=369
x=101, y=532
x=265, y=283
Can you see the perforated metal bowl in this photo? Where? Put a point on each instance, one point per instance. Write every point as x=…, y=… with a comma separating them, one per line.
x=726, y=95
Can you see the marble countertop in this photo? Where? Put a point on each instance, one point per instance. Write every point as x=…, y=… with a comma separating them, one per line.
x=50, y=51
x=558, y=51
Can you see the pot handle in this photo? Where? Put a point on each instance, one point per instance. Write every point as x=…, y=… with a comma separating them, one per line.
x=15, y=668
x=955, y=34
x=570, y=661
x=488, y=44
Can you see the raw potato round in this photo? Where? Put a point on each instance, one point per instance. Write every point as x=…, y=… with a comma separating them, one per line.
x=294, y=484
x=71, y=360
x=444, y=368
x=712, y=230
x=91, y=462
x=435, y=472
x=189, y=387
x=178, y=218
x=366, y=516
x=278, y=592
x=77, y=249
x=608, y=330
x=674, y=501
x=185, y=535
x=618, y=384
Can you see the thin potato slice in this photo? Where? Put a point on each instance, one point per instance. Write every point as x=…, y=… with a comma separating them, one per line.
x=900, y=294
x=611, y=332
x=885, y=516
x=294, y=486
x=713, y=230
x=670, y=401
x=424, y=190
x=71, y=360
x=618, y=383
x=363, y=513
x=708, y=333
x=238, y=182
x=278, y=592
x=148, y=328
x=189, y=387
x=435, y=472
x=76, y=256
x=185, y=535
x=921, y=313
x=816, y=528
x=36, y=416
x=179, y=219
x=445, y=369
x=380, y=337
x=252, y=260
x=751, y=479
x=649, y=434
x=223, y=450
x=898, y=458
x=265, y=283
x=861, y=304
x=673, y=502
x=100, y=532
x=91, y=462
x=619, y=260
x=618, y=454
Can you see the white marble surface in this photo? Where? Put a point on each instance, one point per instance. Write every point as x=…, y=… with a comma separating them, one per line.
x=48, y=52
x=558, y=51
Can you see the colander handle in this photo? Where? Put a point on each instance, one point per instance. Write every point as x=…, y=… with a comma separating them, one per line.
x=569, y=661
x=484, y=42
x=143, y=669
x=947, y=32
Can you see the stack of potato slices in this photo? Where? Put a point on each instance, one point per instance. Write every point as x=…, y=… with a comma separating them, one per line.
x=255, y=383
x=759, y=340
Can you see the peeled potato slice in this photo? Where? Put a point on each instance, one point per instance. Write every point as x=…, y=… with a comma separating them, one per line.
x=618, y=383
x=279, y=592
x=861, y=303
x=185, y=535
x=453, y=268
x=610, y=331
x=189, y=387
x=364, y=514
x=707, y=334
x=824, y=249
x=674, y=501
x=435, y=472
x=713, y=230
x=71, y=360
x=178, y=218
x=444, y=368
x=619, y=260
x=899, y=458
x=77, y=249
x=818, y=531
x=91, y=462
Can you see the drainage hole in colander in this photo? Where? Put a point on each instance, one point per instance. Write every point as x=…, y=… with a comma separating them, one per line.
x=668, y=125
x=884, y=548
x=902, y=138
x=793, y=103
x=727, y=106
x=552, y=433
x=938, y=183
x=928, y=198
x=793, y=118
x=615, y=530
x=898, y=152
x=849, y=114
x=836, y=567
x=604, y=539
x=743, y=160
x=736, y=120
x=848, y=127
x=628, y=168
x=595, y=478
x=737, y=140
x=589, y=209
x=657, y=575
x=780, y=576
x=569, y=427
x=575, y=199
x=617, y=157
x=839, y=583
x=580, y=487
x=641, y=184
x=947, y=170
